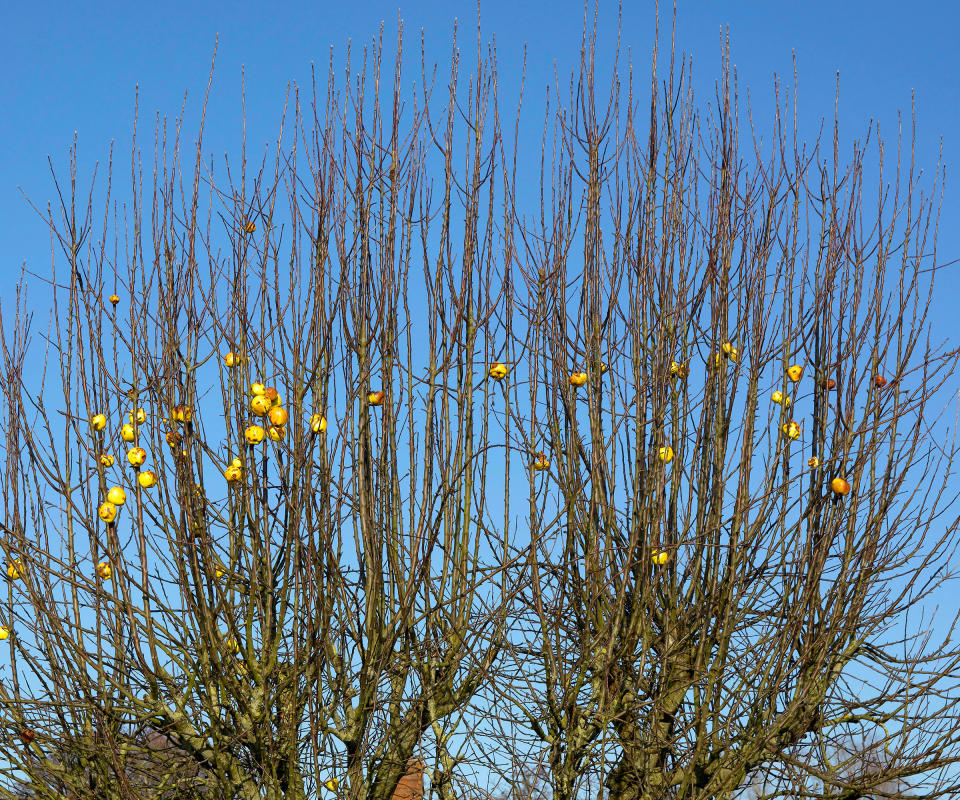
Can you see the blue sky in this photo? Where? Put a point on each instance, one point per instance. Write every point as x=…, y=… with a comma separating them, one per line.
x=74, y=68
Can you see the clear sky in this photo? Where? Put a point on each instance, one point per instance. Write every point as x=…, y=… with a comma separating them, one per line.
x=73, y=68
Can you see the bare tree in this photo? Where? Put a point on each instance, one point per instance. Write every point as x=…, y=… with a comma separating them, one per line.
x=260, y=512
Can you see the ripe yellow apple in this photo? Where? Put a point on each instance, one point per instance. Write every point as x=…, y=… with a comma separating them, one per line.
x=259, y=405
x=233, y=473
x=257, y=388
x=660, y=557
x=540, y=462
x=174, y=439
x=128, y=433
x=680, y=369
x=107, y=511
x=578, y=379
x=376, y=398
x=780, y=398
x=117, y=496
x=4, y=632
x=219, y=573
x=236, y=463
x=98, y=422
x=498, y=371
x=730, y=351
x=15, y=569
x=840, y=486
x=795, y=372
x=231, y=644
x=791, y=430
x=114, y=299
x=181, y=413
x=813, y=462
x=106, y=460
x=148, y=479
x=318, y=423
x=139, y=416
x=279, y=416
x=254, y=434
x=276, y=432
x=665, y=454
x=136, y=456
x=331, y=784
x=231, y=359
x=250, y=226
x=104, y=571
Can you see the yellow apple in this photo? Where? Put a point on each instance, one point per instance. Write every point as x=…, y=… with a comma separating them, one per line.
x=128, y=433
x=840, y=486
x=148, y=479
x=498, y=371
x=791, y=430
x=15, y=569
x=250, y=226
x=114, y=299
x=106, y=460
x=231, y=644
x=795, y=372
x=730, y=351
x=174, y=439
x=660, y=557
x=117, y=496
x=98, y=422
x=276, y=433
x=680, y=369
x=136, y=456
x=540, y=462
x=107, y=511
x=259, y=405
x=254, y=434
x=139, y=416
x=236, y=463
x=232, y=359
x=4, y=632
x=376, y=398
x=578, y=379
x=257, y=388
x=104, y=571
x=318, y=423
x=665, y=454
x=331, y=784
x=813, y=462
x=780, y=398
x=181, y=413
x=233, y=473
x=278, y=416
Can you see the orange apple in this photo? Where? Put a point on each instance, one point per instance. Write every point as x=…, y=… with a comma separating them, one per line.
x=148, y=479
x=27, y=736
x=879, y=381
x=578, y=379
x=278, y=416
x=272, y=395
x=376, y=398
x=136, y=456
x=840, y=486
x=107, y=511
x=98, y=422
x=498, y=371
x=254, y=434
x=250, y=226
x=117, y=496
x=795, y=372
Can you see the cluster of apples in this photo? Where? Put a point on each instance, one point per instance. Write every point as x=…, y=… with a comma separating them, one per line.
x=266, y=402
